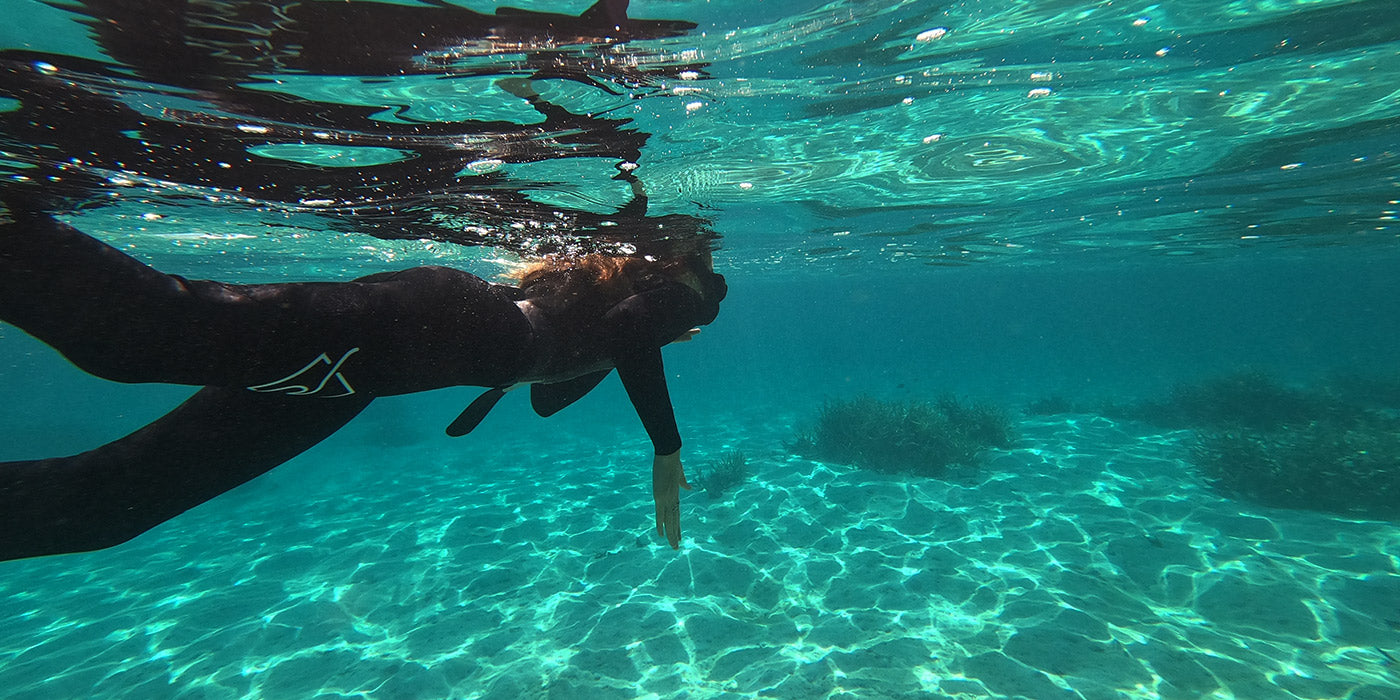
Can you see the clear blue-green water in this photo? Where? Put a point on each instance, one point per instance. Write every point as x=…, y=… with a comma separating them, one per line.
x=1001, y=200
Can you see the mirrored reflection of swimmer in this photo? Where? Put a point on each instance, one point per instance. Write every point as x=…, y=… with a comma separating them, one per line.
x=213, y=95
x=285, y=365
x=222, y=44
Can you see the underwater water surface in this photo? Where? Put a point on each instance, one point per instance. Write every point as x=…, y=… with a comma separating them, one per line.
x=1159, y=239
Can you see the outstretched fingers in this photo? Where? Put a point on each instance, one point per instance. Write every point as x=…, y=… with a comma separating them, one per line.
x=668, y=523
x=667, y=480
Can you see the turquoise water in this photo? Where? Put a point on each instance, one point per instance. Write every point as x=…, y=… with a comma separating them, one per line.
x=1006, y=201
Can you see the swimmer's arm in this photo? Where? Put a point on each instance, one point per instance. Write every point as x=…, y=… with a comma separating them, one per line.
x=644, y=378
x=639, y=326
x=643, y=375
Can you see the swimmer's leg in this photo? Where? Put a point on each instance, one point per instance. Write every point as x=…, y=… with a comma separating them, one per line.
x=116, y=317
x=218, y=439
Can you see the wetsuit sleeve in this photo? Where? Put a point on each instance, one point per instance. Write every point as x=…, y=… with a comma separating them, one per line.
x=644, y=377
x=639, y=326
x=216, y=440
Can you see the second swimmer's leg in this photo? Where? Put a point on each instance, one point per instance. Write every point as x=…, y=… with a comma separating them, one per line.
x=98, y=306
x=120, y=319
x=216, y=440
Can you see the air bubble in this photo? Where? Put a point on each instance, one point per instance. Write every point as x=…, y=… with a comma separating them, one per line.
x=485, y=165
x=932, y=34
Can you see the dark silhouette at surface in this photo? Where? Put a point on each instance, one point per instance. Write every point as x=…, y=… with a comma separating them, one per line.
x=218, y=44
x=192, y=108
x=410, y=197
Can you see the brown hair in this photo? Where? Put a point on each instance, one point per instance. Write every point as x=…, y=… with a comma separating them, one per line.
x=585, y=287
x=602, y=268
x=610, y=273
x=579, y=286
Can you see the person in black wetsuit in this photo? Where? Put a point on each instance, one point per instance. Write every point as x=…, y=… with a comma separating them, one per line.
x=285, y=365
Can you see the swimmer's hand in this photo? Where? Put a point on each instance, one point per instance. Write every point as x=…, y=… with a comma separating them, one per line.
x=667, y=479
x=687, y=335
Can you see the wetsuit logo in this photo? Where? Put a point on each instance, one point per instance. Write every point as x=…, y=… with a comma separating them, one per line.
x=303, y=382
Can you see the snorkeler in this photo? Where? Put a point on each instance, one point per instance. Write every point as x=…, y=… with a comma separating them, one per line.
x=285, y=365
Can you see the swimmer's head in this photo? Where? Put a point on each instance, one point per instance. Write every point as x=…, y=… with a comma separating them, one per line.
x=603, y=280
x=698, y=272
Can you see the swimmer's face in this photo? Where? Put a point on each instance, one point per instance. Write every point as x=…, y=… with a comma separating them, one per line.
x=693, y=269
x=705, y=280
x=697, y=271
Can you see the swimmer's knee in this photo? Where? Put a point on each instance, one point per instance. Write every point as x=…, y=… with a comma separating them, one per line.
x=42, y=517
x=109, y=366
x=66, y=534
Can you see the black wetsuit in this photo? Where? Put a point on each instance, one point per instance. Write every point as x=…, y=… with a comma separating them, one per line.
x=283, y=366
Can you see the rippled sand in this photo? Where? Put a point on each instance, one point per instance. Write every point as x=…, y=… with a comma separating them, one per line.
x=1085, y=563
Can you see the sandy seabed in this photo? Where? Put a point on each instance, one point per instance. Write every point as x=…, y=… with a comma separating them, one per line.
x=1087, y=562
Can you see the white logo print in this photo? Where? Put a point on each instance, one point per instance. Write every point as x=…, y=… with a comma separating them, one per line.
x=299, y=383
